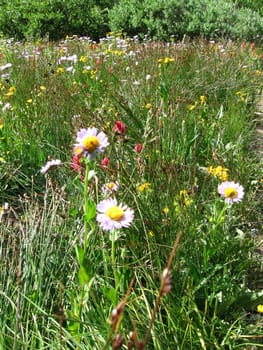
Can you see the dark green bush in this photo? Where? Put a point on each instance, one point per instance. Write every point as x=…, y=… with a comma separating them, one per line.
x=55, y=18
x=161, y=19
x=255, y=5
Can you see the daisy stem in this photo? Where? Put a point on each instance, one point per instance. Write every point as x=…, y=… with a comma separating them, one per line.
x=86, y=203
x=106, y=257
x=221, y=215
x=113, y=262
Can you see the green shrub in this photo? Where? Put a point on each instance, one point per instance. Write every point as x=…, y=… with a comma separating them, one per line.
x=55, y=18
x=255, y=5
x=209, y=18
x=221, y=19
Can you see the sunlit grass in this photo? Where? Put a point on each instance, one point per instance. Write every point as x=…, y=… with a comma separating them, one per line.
x=179, y=119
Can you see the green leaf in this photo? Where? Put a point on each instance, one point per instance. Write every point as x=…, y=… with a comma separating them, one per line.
x=90, y=210
x=79, y=254
x=111, y=294
x=83, y=276
x=73, y=212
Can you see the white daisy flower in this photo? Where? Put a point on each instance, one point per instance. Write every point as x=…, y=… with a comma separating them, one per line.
x=112, y=216
x=90, y=142
x=231, y=191
x=110, y=187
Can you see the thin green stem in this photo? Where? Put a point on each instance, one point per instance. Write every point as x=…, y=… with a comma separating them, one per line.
x=86, y=203
x=113, y=261
x=86, y=187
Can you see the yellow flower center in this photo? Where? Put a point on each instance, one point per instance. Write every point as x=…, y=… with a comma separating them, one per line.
x=110, y=185
x=91, y=143
x=115, y=213
x=230, y=192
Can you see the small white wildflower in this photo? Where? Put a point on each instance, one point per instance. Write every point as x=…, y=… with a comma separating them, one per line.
x=6, y=107
x=70, y=69
x=5, y=76
x=110, y=187
x=5, y=66
x=50, y=164
x=92, y=173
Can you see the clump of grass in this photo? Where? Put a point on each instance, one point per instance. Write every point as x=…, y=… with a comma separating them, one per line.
x=179, y=121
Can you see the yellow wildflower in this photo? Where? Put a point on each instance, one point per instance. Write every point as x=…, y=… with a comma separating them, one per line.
x=165, y=210
x=29, y=100
x=242, y=95
x=219, y=171
x=118, y=53
x=168, y=60
x=165, y=60
x=203, y=100
x=11, y=91
x=148, y=106
x=107, y=125
x=192, y=107
x=93, y=73
x=144, y=187
x=185, y=198
x=150, y=233
x=60, y=70
x=260, y=308
x=83, y=59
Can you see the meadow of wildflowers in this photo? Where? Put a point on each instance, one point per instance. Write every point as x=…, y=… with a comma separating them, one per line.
x=130, y=195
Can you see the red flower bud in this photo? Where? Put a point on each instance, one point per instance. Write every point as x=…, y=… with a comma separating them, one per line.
x=76, y=162
x=105, y=162
x=120, y=128
x=138, y=148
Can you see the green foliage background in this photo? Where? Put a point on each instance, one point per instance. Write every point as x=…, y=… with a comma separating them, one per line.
x=159, y=19
x=55, y=18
